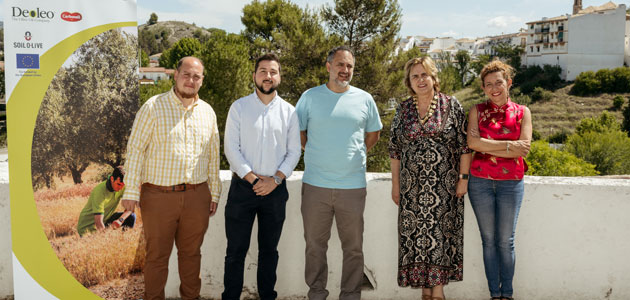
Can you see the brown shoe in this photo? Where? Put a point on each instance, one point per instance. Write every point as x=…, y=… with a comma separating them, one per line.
x=436, y=298
x=426, y=297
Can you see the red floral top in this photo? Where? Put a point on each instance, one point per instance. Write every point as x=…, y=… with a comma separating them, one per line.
x=499, y=123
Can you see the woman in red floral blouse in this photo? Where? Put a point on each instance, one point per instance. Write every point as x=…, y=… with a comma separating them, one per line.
x=499, y=131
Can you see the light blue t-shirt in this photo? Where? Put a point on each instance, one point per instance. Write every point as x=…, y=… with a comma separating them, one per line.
x=336, y=123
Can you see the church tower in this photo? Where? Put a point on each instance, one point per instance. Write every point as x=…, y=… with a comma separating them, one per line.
x=577, y=6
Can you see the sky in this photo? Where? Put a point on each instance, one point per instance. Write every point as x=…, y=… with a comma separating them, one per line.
x=436, y=18
x=454, y=18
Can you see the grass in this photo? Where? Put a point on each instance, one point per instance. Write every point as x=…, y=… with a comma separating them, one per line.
x=94, y=259
x=562, y=112
x=102, y=256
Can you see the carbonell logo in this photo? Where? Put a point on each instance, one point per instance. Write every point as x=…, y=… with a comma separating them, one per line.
x=71, y=17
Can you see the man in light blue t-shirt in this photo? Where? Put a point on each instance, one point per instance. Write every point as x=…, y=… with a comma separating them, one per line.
x=339, y=123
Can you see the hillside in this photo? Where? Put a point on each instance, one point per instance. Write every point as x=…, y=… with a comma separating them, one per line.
x=562, y=112
x=160, y=36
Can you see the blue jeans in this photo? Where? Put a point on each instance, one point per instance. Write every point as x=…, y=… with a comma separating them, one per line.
x=496, y=204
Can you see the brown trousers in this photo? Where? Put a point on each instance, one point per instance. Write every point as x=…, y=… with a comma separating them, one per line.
x=319, y=207
x=180, y=217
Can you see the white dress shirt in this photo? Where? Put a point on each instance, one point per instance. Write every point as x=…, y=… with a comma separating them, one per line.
x=262, y=138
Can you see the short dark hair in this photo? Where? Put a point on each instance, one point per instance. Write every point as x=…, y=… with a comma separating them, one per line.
x=333, y=51
x=181, y=61
x=268, y=56
x=118, y=173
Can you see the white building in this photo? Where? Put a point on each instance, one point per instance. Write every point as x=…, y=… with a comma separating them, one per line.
x=592, y=39
x=150, y=75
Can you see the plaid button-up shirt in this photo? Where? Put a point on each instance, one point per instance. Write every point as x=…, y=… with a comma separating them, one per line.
x=170, y=145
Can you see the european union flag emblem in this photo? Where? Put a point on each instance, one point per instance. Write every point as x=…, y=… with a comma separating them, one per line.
x=28, y=61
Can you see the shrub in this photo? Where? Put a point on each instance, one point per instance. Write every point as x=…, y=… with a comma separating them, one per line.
x=531, y=77
x=585, y=84
x=540, y=94
x=604, y=123
x=621, y=80
x=559, y=137
x=546, y=161
x=618, y=102
x=606, y=80
x=609, y=151
x=536, y=135
x=626, y=119
x=522, y=99
x=601, y=142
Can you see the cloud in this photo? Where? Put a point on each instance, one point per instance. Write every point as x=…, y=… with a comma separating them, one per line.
x=450, y=33
x=503, y=21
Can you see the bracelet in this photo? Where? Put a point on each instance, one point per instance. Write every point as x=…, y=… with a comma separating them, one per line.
x=255, y=181
x=507, y=147
x=463, y=176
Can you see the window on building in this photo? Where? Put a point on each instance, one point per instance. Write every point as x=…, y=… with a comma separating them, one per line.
x=537, y=48
x=531, y=49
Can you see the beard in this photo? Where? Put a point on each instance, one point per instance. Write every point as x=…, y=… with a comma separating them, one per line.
x=343, y=83
x=266, y=92
x=184, y=94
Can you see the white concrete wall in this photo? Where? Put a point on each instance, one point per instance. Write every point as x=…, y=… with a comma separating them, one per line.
x=572, y=243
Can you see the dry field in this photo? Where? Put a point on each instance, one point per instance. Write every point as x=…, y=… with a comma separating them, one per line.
x=109, y=262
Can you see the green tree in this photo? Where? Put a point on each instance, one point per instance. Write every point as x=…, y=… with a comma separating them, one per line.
x=298, y=38
x=360, y=21
x=510, y=53
x=546, y=161
x=182, y=48
x=462, y=64
x=477, y=64
x=144, y=59
x=152, y=19
x=370, y=28
x=149, y=90
x=448, y=74
x=227, y=75
x=102, y=87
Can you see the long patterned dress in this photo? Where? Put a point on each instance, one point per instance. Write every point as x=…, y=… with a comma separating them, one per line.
x=430, y=217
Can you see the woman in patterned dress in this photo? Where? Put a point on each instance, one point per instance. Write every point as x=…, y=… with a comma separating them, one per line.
x=499, y=131
x=430, y=162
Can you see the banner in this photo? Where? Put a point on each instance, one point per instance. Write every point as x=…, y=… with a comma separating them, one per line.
x=72, y=93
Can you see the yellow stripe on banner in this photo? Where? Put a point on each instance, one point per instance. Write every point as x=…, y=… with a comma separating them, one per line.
x=30, y=245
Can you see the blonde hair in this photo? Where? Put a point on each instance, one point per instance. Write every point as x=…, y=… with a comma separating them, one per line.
x=497, y=66
x=428, y=65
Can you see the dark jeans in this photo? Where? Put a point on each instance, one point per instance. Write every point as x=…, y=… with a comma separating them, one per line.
x=242, y=207
x=129, y=222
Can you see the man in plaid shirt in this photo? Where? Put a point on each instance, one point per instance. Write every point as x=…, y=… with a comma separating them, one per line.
x=172, y=168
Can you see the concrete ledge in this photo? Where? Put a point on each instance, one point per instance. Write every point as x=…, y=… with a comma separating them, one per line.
x=571, y=243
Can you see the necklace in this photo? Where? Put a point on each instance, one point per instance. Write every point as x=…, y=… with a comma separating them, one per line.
x=432, y=107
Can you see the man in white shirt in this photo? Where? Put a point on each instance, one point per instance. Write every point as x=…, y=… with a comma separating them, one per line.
x=262, y=144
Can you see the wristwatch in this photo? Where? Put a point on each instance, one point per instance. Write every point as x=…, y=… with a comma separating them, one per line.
x=255, y=181
x=463, y=176
x=277, y=179
x=121, y=220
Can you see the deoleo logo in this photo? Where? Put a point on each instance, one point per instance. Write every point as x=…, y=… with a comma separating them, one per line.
x=37, y=13
x=71, y=17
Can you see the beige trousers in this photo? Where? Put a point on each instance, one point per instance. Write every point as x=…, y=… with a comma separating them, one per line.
x=319, y=206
